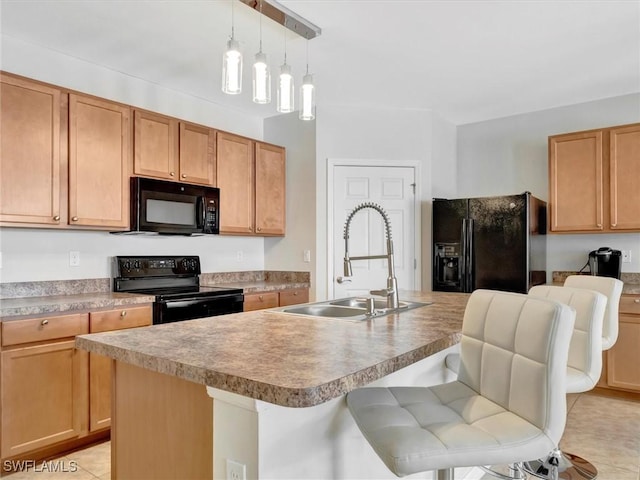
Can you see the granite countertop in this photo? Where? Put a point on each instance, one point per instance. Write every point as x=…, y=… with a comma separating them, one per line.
x=14, y=308
x=259, y=281
x=290, y=360
x=631, y=281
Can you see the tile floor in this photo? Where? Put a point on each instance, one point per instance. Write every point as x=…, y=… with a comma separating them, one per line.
x=604, y=430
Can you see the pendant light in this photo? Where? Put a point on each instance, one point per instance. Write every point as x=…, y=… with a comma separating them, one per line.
x=285, y=85
x=307, y=94
x=232, y=64
x=261, y=73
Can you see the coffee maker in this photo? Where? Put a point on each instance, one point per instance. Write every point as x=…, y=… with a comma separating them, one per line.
x=605, y=262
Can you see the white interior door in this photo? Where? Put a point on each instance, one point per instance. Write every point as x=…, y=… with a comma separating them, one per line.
x=393, y=189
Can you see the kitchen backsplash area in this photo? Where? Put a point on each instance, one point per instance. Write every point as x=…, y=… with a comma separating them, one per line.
x=631, y=280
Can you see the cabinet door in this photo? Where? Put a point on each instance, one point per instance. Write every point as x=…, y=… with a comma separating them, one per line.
x=197, y=154
x=29, y=152
x=236, y=182
x=99, y=163
x=44, y=396
x=155, y=145
x=100, y=366
x=270, y=190
x=624, y=164
x=623, y=359
x=576, y=182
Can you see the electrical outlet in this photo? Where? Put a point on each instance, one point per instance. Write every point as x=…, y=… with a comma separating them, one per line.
x=236, y=471
x=626, y=256
x=307, y=256
x=239, y=256
x=74, y=259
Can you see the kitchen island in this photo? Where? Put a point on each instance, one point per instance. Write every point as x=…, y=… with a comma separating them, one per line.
x=277, y=382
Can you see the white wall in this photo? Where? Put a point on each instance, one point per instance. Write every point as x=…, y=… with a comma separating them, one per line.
x=300, y=138
x=509, y=155
x=378, y=134
x=40, y=254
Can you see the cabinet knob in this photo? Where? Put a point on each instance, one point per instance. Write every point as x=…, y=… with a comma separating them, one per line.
x=183, y=175
x=637, y=300
x=614, y=224
x=44, y=322
x=260, y=298
x=74, y=219
x=56, y=218
x=295, y=293
x=599, y=225
x=259, y=229
x=123, y=313
x=172, y=173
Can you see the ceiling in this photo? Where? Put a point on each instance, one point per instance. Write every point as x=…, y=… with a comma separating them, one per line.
x=467, y=60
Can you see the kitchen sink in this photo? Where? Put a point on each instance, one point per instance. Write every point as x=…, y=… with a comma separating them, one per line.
x=352, y=308
x=360, y=302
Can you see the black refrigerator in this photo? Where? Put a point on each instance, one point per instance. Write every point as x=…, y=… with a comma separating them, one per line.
x=496, y=243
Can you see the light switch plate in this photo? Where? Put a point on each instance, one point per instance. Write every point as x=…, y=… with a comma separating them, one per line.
x=626, y=256
x=74, y=259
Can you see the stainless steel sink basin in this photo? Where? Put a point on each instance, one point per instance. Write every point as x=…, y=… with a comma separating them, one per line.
x=324, y=310
x=352, y=308
x=359, y=302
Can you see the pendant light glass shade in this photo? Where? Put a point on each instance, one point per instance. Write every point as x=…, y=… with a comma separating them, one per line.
x=232, y=68
x=261, y=79
x=307, y=98
x=285, y=90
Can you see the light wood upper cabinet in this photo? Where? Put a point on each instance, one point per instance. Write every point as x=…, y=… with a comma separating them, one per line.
x=197, y=154
x=270, y=189
x=155, y=144
x=30, y=163
x=167, y=148
x=594, y=181
x=251, y=178
x=235, y=175
x=624, y=161
x=99, y=162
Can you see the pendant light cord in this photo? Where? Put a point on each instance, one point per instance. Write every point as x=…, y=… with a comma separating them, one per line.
x=232, y=20
x=260, y=25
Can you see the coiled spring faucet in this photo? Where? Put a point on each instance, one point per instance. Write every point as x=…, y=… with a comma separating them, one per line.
x=391, y=292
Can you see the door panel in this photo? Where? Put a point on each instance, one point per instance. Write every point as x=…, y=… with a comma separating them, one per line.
x=391, y=188
x=499, y=242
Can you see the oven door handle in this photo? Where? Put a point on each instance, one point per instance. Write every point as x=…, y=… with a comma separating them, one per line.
x=183, y=303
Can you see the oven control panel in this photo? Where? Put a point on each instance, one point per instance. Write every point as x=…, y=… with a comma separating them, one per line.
x=156, y=266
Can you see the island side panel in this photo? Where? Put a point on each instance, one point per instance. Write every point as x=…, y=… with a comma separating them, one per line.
x=162, y=426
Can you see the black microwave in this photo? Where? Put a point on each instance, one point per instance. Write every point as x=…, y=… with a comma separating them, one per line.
x=173, y=208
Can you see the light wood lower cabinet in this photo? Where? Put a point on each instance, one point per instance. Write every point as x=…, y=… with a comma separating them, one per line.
x=621, y=363
x=259, y=301
x=44, y=385
x=53, y=396
x=100, y=366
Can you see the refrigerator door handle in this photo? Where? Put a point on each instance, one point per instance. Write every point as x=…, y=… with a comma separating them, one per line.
x=463, y=260
x=469, y=256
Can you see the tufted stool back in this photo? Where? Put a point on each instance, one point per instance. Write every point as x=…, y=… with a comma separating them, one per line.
x=585, y=353
x=610, y=288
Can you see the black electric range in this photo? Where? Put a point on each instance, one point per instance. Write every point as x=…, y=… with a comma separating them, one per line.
x=175, y=283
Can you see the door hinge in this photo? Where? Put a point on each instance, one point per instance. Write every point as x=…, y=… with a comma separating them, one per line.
x=413, y=185
x=415, y=263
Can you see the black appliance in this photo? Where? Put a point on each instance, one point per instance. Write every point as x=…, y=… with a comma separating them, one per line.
x=175, y=282
x=492, y=242
x=173, y=208
x=605, y=262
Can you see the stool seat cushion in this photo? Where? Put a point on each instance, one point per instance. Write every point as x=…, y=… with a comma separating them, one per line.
x=414, y=429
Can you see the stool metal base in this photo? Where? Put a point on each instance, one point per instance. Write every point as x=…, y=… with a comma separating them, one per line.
x=561, y=465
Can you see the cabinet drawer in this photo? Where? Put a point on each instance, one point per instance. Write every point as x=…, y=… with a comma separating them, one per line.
x=258, y=301
x=30, y=330
x=630, y=304
x=292, y=297
x=126, y=317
